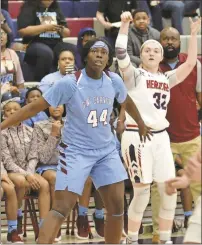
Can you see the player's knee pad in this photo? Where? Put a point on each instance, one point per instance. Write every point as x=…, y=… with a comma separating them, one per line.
x=168, y=203
x=139, y=202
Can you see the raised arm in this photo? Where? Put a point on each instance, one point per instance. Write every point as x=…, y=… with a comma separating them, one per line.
x=125, y=66
x=184, y=70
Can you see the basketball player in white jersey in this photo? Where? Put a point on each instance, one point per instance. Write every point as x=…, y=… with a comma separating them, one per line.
x=150, y=161
x=192, y=172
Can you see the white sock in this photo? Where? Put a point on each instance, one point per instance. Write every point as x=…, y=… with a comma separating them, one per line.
x=133, y=236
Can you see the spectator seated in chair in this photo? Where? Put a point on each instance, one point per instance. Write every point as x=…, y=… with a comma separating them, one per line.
x=20, y=163
x=32, y=95
x=46, y=136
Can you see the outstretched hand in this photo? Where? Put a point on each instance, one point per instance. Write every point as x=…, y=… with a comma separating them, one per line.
x=144, y=132
x=176, y=183
x=126, y=17
x=195, y=26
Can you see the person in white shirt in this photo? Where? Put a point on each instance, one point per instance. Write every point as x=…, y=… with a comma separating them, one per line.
x=152, y=160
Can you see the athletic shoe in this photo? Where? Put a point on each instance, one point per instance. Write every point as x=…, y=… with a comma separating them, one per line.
x=19, y=225
x=186, y=220
x=128, y=241
x=82, y=227
x=59, y=237
x=13, y=237
x=99, y=226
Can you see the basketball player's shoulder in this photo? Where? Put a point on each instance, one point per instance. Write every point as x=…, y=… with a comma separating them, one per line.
x=113, y=76
x=69, y=81
x=115, y=80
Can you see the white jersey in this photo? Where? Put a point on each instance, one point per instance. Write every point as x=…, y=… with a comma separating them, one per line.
x=151, y=94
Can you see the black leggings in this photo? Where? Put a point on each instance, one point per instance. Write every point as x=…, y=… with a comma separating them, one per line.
x=40, y=59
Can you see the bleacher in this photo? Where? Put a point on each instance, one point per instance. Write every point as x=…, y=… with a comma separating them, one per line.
x=81, y=14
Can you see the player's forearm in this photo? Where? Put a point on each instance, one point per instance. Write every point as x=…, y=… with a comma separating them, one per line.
x=65, y=32
x=132, y=110
x=32, y=30
x=122, y=114
x=24, y=113
x=192, y=51
x=124, y=28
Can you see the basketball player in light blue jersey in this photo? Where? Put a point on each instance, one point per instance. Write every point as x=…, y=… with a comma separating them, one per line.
x=87, y=147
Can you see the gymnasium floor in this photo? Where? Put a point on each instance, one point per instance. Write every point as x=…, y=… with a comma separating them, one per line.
x=177, y=238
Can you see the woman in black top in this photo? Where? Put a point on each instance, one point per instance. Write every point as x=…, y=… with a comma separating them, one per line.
x=42, y=26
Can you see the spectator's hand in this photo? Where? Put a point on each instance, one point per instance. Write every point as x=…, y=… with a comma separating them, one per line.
x=144, y=132
x=14, y=89
x=108, y=25
x=177, y=183
x=33, y=181
x=60, y=30
x=4, y=177
x=126, y=17
x=56, y=129
x=195, y=26
x=52, y=27
x=169, y=189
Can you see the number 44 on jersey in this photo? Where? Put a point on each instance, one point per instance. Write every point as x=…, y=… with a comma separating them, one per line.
x=94, y=120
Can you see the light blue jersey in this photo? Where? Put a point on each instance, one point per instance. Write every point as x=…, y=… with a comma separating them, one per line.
x=48, y=81
x=89, y=104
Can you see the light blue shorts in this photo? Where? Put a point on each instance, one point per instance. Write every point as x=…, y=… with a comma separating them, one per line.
x=75, y=165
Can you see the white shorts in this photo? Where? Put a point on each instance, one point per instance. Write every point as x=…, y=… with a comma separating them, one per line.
x=193, y=233
x=150, y=161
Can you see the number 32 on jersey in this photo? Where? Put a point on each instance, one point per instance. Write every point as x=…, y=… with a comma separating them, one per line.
x=93, y=118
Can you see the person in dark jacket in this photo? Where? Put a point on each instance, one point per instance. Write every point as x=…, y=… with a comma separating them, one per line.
x=138, y=33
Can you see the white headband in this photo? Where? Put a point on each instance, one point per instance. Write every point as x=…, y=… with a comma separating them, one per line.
x=100, y=44
x=152, y=41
